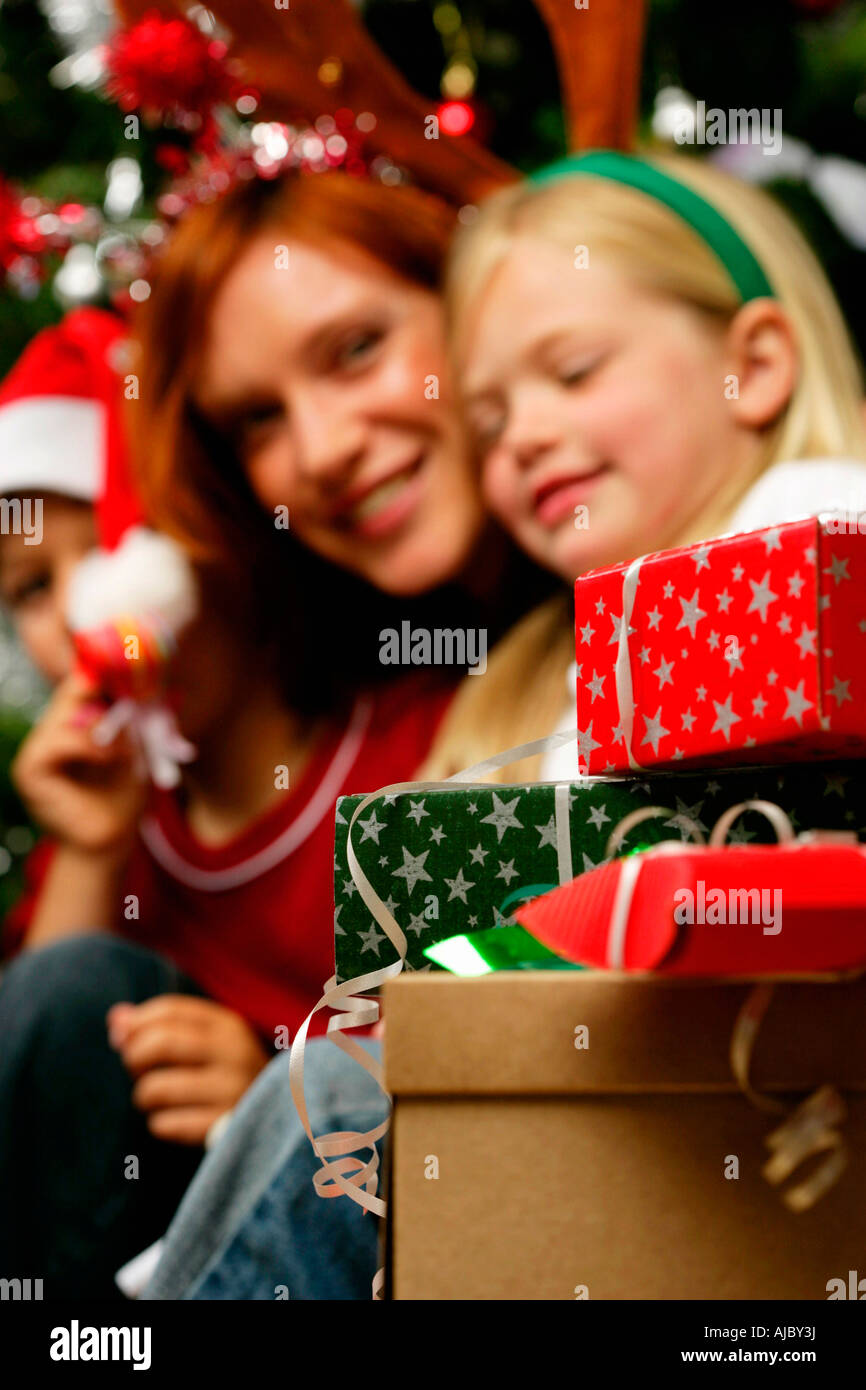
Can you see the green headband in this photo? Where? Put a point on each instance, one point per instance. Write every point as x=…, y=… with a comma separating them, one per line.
x=714, y=230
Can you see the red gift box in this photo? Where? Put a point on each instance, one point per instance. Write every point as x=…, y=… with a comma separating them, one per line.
x=750, y=648
x=798, y=908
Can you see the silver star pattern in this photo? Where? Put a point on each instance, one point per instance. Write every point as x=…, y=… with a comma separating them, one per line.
x=795, y=584
x=655, y=732
x=502, y=816
x=459, y=886
x=838, y=569
x=547, y=833
x=797, y=704
x=586, y=744
x=663, y=671
x=806, y=641
x=725, y=718
x=691, y=614
x=772, y=539
x=417, y=923
x=372, y=827
x=370, y=939
x=413, y=869
x=595, y=685
x=762, y=597
x=839, y=691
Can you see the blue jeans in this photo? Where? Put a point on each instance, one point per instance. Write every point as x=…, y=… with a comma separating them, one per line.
x=251, y=1225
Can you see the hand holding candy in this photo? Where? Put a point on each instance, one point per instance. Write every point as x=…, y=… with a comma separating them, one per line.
x=126, y=610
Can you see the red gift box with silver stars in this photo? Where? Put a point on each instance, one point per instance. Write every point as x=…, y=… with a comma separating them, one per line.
x=746, y=649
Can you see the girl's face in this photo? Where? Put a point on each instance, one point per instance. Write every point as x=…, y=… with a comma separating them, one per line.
x=598, y=408
x=327, y=372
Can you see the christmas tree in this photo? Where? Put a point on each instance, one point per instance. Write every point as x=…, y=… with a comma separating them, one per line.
x=487, y=66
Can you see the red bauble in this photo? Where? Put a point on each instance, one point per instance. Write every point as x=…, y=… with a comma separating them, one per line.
x=173, y=159
x=456, y=117
x=167, y=66
x=19, y=234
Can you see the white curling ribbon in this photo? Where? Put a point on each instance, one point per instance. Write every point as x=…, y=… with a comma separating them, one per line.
x=633, y=865
x=809, y=1128
x=161, y=747
x=342, y=1171
x=622, y=676
x=630, y=871
x=808, y=1131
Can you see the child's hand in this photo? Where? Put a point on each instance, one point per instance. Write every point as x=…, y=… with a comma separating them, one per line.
x=85, y=795
x=191, y=1059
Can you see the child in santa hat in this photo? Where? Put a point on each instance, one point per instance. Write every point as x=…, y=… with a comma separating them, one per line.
x=56, y=431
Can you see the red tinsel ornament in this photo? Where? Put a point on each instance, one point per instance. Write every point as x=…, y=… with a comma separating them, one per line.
x=173, y=159
x=19, y=234
x=167, y=66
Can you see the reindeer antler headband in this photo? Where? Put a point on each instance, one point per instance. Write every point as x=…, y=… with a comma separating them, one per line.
x=317, y=57
x=315, y=60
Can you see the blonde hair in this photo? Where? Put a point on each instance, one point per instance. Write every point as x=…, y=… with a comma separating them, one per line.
x=523, y=693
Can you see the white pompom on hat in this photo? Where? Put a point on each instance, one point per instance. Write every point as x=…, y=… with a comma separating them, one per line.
x=147, y=573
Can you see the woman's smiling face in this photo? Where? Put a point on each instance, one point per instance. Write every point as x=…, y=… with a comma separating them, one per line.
x=328, y=374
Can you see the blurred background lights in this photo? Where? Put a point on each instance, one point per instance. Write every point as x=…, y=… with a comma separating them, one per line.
x=455, y=117
x=125, y=189
x=674, y=117
x=78, y=280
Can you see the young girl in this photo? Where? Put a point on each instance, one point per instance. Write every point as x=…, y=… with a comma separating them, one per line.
x=606, y=386
x=650, y=355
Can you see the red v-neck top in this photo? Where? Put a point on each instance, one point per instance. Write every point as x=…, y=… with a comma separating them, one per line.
x=252, y=920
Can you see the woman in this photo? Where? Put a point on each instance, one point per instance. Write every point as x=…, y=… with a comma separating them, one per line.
x=315, y=397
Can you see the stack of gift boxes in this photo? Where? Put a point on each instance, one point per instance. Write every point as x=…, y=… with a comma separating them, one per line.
x=602, y=1130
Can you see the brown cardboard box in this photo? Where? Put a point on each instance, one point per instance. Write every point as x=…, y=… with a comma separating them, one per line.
x=526, y=1167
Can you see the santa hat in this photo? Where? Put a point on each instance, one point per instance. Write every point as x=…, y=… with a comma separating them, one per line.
x=61, y=420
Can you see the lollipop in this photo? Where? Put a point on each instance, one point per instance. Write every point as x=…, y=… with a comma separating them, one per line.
x=126, y=610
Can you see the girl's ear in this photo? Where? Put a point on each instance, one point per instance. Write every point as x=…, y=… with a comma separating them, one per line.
x=764, y=360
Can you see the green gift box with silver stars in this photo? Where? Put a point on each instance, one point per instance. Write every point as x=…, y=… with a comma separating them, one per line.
x=454, y=861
